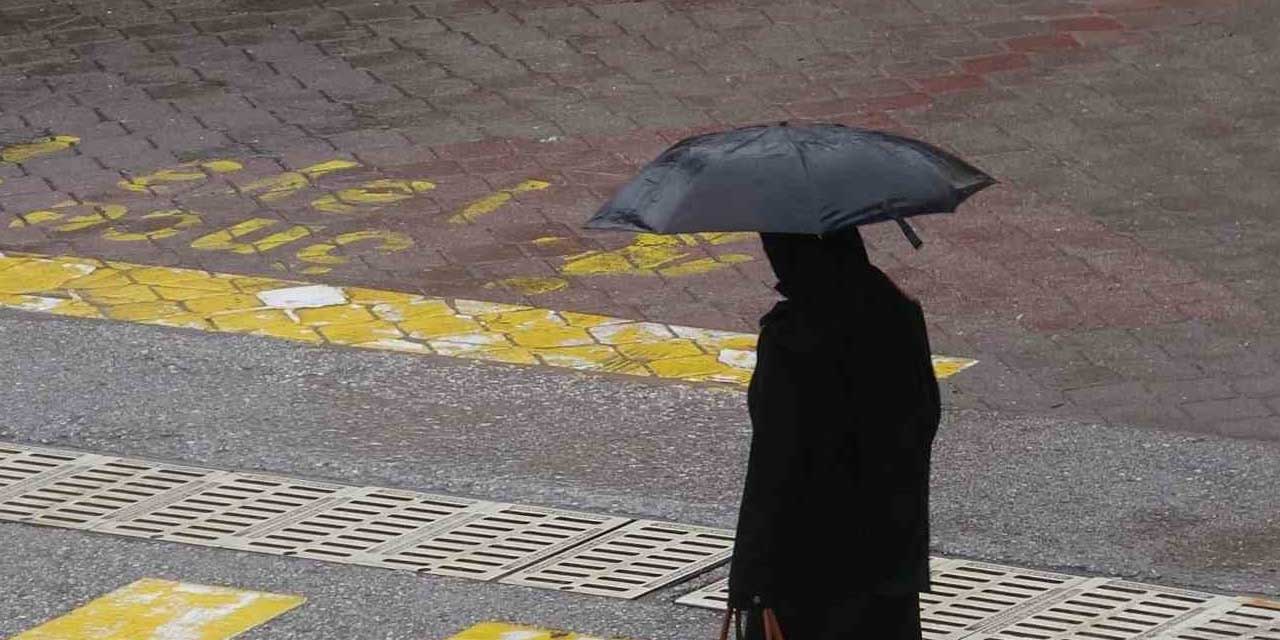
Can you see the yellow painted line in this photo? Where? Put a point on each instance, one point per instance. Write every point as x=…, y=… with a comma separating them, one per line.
x=24, y=151
x=493, y=202
x=376, y=319
x=505, y=631
x=152, y=609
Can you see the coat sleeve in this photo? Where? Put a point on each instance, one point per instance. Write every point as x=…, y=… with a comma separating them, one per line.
x=777, y=472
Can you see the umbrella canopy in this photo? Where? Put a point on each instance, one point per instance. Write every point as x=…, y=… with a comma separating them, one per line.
x=814, y=179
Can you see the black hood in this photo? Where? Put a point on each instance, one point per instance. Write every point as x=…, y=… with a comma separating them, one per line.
x=818, y=270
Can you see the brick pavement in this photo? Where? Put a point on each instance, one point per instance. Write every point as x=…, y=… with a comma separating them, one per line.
x=1124, y=270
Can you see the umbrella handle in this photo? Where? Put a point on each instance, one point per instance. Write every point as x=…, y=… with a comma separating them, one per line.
x=909, y=232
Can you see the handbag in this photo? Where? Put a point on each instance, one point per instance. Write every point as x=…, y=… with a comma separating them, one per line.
x=733, y=618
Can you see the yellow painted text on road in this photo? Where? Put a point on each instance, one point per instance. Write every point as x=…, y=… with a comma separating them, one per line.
x=190, y=172
x=163, y=610
x=371, y=195
x=493, y=202
x=71, y=216
x=24, y=151
x=505, y=631
x=375, y=319
x=281, y=186
x=647, y=255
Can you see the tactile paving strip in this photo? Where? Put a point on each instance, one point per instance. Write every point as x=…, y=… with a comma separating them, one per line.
x=631, y=561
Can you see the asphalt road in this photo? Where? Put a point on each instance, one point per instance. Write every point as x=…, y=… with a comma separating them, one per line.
x=1180, y=510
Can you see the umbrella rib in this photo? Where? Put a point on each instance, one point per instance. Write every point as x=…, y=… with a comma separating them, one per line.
x=804, y=163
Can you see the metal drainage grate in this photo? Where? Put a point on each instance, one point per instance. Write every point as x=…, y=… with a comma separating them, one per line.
x=716, y=595
x=81, y=492
x=974, y=600
x=351, y=525
x=968, y=597
x=23, y=469
x=631, y=561
x=228, y=510
x=1102, y=609
x=493, y=540
x=1250, y=620
x=373, y=526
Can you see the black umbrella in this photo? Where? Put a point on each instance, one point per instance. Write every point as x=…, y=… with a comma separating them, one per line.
x=815, y=179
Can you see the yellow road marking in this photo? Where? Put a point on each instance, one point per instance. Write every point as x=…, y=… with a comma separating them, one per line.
x=322, y=254
x=282, y=186
x=370, y=195
x=152, y=609
x=228, y=239
x=647, y=255
x=24, y=151
x=187, y=172
x=178, y=220
x=91, y=214
x=505, y=631
x=493, y=202
x=375, y=319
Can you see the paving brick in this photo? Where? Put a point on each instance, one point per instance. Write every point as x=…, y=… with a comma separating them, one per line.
x=995, y=63
x=1151, y=415
x=1042, y=43
x=1267, y=429
x=1223, y=410
x=1258, y=387
x=951, y=83
x=1114, y=394
x=1090, y=23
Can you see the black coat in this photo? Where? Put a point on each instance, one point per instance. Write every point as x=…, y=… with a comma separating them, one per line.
x=844, y=407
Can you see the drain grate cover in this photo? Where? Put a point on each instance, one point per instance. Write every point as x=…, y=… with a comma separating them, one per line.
x=351, y=525
x=1103, y=609
x=1249, y=620
x=230, y=509
x=716, y=595
x=631, y=561
x=974, y=600
x=495, y=539
x=558, y=549
x=82, y=491
x=968, y=597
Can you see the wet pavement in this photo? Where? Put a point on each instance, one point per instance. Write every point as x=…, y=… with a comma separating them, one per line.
x=1117, y=289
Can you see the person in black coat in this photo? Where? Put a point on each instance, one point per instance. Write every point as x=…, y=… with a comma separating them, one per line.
x=833, y=532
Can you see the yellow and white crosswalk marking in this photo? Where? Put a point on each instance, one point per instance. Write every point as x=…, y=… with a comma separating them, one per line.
x=505, y=631
x=151, y=609
x=375, y=319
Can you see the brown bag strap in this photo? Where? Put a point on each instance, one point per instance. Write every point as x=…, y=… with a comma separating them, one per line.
x=772, y=630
